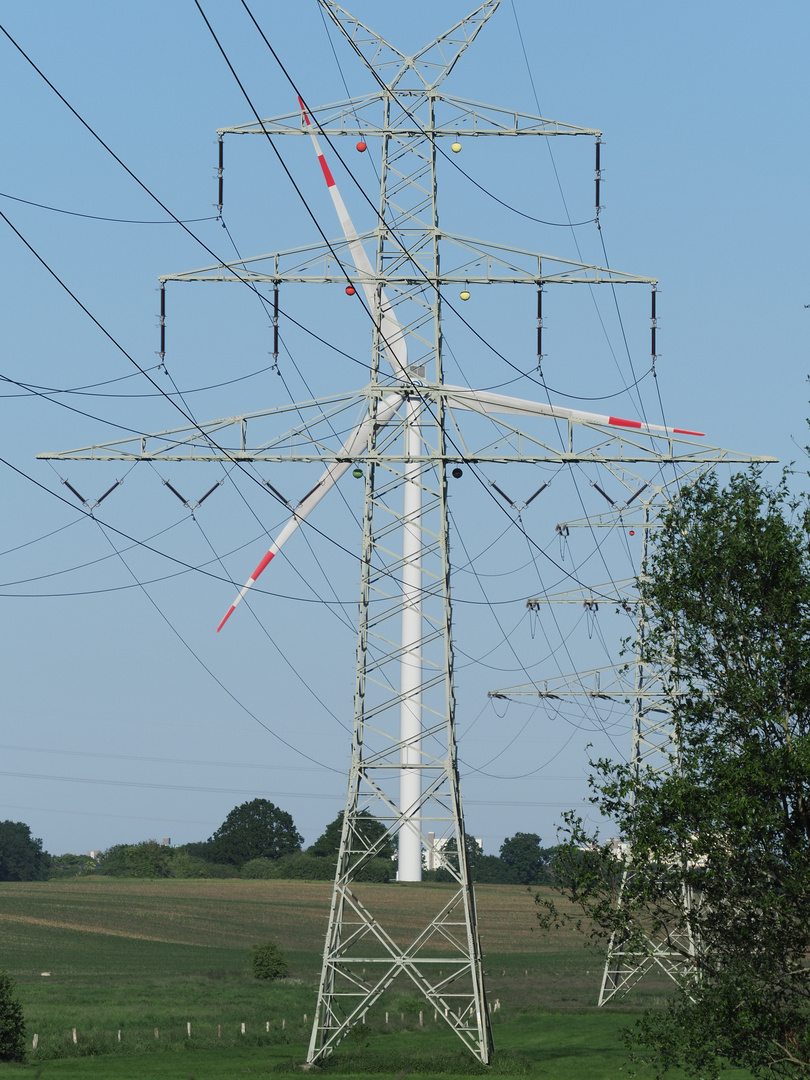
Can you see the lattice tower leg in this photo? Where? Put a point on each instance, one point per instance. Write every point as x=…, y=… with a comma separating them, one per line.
x=438, y=953
x=654, y=747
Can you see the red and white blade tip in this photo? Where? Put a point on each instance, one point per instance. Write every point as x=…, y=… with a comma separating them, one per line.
x=617, y=421
x=250, y=581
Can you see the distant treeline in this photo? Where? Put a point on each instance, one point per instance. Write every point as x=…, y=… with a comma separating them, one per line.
x=258, y=840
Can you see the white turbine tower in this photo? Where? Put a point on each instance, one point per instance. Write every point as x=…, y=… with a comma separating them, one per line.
x=396, y=351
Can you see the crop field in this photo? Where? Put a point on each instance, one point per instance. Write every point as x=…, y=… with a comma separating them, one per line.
x=153, y=977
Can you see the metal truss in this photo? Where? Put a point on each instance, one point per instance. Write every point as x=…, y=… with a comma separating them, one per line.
x=452, y=117
x=578, y=441
x=464, y=260
x=404, y=764
x=646, y=691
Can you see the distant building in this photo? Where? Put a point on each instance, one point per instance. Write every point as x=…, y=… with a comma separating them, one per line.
x=432, y=858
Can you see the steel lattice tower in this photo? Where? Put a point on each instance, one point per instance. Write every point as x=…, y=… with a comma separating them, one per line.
x=404, y=767
x=647, y=691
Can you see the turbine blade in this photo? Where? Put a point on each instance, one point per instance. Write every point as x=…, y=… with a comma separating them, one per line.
x=351, y=449
x=483, y=401
x=391, y=332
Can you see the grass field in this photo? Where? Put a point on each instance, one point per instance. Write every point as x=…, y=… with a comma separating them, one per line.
x=146, y=959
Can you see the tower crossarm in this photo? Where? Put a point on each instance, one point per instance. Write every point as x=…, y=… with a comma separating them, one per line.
x=624, y=591
x=465, y=260
x=583, y=441
x=616, y=682
x=450, y=117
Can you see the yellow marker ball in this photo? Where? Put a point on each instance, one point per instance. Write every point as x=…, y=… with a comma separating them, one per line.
x=456, y=147
x=464, y=294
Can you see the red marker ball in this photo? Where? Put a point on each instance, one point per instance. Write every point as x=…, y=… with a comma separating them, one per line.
x=361, y=146
x=632, y=532
x=350, y=290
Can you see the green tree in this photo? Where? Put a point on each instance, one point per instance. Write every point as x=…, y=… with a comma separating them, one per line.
x=370, y=829
x=524, y=858
x=149, y=859
x=21, y=855
x=69, y=865
x=726, y=603
x=490, y=870
x=255, y=830
x=267, y=961
x=12, y=1023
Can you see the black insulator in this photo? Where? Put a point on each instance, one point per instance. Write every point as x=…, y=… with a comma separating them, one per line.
x=162, y=321
x=502, y=494
x=543, y=488
x=219, y=174
x=174, y=491
x=70, y=487
x=540, y=323
x=109, y=491
x=598, y=169
x=277, y=493
x=632, y=497
x=605, y=494
x=653, y=322
x=209, y=492
x=310, y=492
x=275, y=322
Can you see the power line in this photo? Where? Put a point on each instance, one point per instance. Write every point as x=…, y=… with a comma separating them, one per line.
x=96, y=217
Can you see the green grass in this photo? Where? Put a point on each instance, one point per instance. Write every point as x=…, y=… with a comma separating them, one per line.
x=135, y=956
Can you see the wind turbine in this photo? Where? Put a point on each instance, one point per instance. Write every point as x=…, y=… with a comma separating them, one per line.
x=395, y=347
x=404, y=763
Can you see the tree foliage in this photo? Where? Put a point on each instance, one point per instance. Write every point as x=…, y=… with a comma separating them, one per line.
x=70, y=865
x=255, y=830
x=726, y=603
x=524, y=858
x=149, y=859
x=12, y=1022
x=267, y=961
x=371, y=831
x=21, y=855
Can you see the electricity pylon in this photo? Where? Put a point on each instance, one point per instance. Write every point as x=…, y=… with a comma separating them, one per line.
x=648, y=694
x=404, y=766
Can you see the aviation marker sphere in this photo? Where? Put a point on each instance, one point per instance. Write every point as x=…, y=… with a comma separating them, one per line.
x=457, y=473
x=350, y=290
x=456, y=147
x=465, y=294
x=361, y=146
x=632, y=532
x=357, y=473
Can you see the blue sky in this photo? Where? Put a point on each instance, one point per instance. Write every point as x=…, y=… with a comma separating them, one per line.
x=116, y=724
